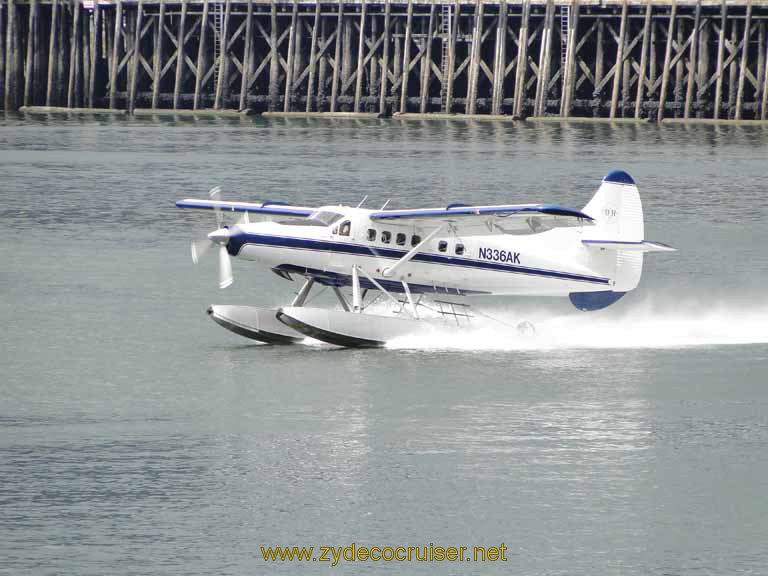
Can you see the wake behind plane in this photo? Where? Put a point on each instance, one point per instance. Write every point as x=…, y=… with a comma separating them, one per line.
x=424, y=259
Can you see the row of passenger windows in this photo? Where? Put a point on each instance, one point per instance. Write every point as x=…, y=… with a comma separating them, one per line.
x=401, y=238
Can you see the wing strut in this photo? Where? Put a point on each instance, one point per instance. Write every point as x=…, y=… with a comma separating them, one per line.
x=389, y=272
x=357, y=304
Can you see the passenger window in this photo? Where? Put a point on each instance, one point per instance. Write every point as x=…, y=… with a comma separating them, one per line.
x=442, y=245
x=400, y=239
x=386, y=236
x=459, y=249
x=371, y=235
x=344, y=228
x=415, y=240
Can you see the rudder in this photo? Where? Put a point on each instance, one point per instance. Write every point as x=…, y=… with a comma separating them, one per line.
x=618, y=214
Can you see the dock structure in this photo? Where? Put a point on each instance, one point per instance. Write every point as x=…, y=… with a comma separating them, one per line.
x=638, y=59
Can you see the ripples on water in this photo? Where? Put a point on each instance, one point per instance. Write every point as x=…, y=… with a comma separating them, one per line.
x=138, y=438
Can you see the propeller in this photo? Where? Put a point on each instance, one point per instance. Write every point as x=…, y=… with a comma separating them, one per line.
x=219, y=236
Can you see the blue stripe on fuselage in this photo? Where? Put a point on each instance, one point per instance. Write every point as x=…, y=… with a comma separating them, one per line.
x=238, y=240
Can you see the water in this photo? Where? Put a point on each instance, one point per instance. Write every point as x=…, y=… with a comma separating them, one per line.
x=136, y=437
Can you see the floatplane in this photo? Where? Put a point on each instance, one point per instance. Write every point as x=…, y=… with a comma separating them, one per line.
x=592, y=256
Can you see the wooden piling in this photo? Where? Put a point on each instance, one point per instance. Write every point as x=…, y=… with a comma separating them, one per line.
x=360, y=57
x=679, y=68
x=116, y=43
x=245, y=77
x=337, y=56
x=720, y=60
x=135, y=57
x=222, y=84
x=85, y=52
x=764, y=104
x=761, y=50
x=290, y=60
x=499, y=59
x=475, y=58
x=652, y=61
x=180, y=54
x=95, y=48
x=397, y=62
x=346, y=55
x=702, y=78
x=201, y=55
x=52, y=50
x=74, y=57
x=62, y=55
x=2, y=56
x=743, y=65
x=322, y=66
x=157, y=62
x=427, y=60
x=692, y=60
x=546, y=70
x=12, y=58
x=522, y=60
x=599, y=69
x=619, y=59
x=667, y=59
x=312, y=58
x=642, y=73
x=625, y=84
x=32, y=41
x=732, y=70
x=406, y=59
x=385, y=58
x=373, y=79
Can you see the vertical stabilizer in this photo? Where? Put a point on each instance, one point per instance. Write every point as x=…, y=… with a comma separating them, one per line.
x=618, y=214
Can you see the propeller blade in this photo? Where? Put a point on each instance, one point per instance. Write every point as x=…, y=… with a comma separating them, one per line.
x=215, y=195
x=225, y=268
x=199, y=248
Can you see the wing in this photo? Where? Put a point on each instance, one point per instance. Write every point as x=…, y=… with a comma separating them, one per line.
x=487, y=220
x=265, y=208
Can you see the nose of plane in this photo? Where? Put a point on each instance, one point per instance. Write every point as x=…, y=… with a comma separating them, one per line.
x=220, y=236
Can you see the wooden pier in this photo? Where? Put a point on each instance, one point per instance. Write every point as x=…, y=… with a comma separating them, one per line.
x=608, y=59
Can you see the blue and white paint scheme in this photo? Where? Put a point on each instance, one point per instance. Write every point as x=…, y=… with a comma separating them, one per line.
x=593, y=255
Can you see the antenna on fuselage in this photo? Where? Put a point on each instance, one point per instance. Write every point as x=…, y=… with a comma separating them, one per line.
x=362, y=201
x=385, y=204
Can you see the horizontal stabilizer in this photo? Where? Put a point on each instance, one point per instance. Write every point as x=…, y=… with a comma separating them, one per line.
x=643, y=246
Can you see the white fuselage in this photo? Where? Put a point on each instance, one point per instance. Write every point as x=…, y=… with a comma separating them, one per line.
x=552, y=263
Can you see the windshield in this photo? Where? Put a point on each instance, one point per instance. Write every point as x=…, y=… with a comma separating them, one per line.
x=320, y=218
x=326, y=217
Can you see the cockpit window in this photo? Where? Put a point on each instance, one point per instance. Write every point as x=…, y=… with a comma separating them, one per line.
x=344, y=228
x=326, y=217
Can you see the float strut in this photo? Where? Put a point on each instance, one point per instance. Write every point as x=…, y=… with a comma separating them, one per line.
x=341, y=298
x=301, y=297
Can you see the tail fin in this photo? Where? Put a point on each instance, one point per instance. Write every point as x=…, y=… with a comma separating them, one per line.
x=618, y=215
x=616, y=243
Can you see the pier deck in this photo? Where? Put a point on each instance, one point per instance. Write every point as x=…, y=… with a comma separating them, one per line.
x=611, y=59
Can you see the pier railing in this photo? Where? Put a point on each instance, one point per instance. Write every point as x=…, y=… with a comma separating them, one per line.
x=616, y=59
